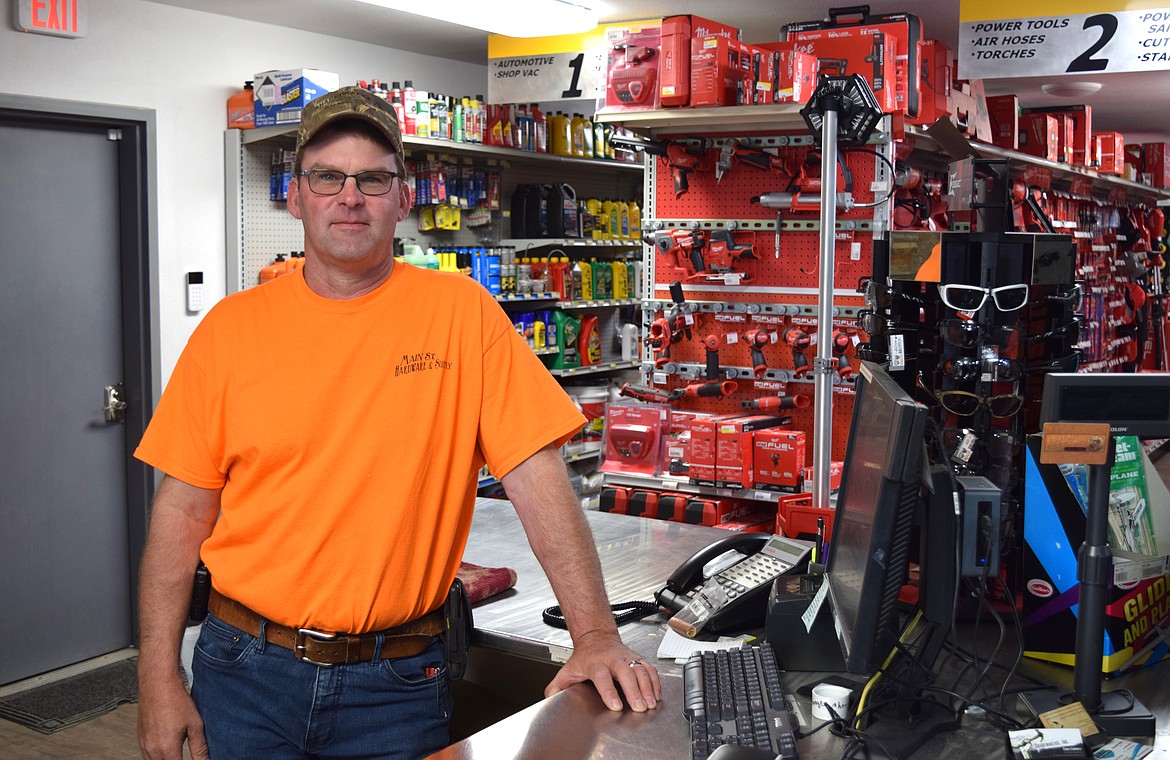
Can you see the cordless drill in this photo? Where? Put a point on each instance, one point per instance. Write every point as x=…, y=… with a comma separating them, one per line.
x=680, y=159
x=799, y=341
x=841, y=344
x=756, y=340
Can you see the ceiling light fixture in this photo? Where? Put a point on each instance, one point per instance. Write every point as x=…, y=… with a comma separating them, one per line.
x=513, y=18
x=1070, y=89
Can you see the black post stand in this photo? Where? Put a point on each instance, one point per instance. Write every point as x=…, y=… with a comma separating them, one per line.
x=1115, y=714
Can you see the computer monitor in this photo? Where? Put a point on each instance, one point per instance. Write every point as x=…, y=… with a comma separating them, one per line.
x=880, y=493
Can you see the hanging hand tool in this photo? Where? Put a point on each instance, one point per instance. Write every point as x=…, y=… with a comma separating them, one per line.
x=735, y=151
x=711, y=343
x=756, y=340
x=679, y=158
x=799, y=341
x=775, y=403
x=841, y=344
x=711, y=389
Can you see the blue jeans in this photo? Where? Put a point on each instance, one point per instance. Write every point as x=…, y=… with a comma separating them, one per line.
x=258, y=701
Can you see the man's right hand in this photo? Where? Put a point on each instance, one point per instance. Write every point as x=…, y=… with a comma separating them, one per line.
x=166, y=719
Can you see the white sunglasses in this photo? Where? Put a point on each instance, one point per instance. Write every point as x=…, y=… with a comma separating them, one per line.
x=972, y=297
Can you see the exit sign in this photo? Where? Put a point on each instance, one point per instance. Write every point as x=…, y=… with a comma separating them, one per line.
x=60, y=18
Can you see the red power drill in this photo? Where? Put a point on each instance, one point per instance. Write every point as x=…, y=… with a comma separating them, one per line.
x=841, y=343
x=680, y=159
x=799, y=341
x=756, y=340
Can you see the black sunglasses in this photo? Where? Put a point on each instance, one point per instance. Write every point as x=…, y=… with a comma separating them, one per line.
x=873, y=323
x=982, y=368
x=881, y=296
x=967, y=334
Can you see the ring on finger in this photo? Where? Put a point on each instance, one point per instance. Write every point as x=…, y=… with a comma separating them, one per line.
x=635, y=663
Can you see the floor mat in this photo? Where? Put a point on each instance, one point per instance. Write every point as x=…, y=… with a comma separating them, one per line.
x=62, y=704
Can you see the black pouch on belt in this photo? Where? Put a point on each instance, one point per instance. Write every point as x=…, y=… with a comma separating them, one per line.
x=200, y=593
x=457, y=636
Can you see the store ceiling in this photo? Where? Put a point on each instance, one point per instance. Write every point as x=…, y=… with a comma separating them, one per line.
x=1135, y=104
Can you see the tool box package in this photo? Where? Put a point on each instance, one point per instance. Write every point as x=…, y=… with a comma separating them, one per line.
x=881, y=47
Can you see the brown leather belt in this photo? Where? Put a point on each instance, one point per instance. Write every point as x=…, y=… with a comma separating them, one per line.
x=325, y=648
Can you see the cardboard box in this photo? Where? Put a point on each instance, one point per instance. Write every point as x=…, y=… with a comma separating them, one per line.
x=631, y=75
x=1137, y=612
x=871, y=55
x=280, y=96
x=779, y=459
x=1040, y=135
x=935, y=72
x=674, y=65
x=721, y=71
x=1110, y=152
x=1004, y=112
x=1077, y=135
x=734, y=448
x=794, y=72
x=835, y=469
x=1156, y=163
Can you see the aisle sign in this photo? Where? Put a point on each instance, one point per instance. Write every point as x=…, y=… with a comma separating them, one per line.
x=540, y=69
x=1023, y=38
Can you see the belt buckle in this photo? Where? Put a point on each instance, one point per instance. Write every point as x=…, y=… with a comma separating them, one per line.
x=300, y=649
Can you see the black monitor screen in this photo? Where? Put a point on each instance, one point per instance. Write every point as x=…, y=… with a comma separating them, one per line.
x=874, y=517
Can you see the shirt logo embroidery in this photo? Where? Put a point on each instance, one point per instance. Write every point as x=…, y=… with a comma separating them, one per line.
x=420, y=363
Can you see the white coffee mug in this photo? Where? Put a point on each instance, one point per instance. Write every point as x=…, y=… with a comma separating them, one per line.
x=826, y=696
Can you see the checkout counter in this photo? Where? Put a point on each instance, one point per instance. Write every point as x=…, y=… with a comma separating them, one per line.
x=512, y=645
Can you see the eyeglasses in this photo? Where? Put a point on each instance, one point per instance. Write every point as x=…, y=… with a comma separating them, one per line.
x=872, y=323
x=972, y=297
x=1071, y=332
x=1072, y=297
x=330, y=181
x=966, y=334
x=966, y=404
x=1068, y=363
x=990, y=370
x=881, y=296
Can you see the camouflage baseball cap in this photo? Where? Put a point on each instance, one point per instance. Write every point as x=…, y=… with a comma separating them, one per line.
x=348, y=103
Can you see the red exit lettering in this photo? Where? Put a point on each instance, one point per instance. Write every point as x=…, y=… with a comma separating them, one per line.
x=56, y=15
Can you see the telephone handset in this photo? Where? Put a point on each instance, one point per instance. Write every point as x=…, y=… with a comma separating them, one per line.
x=747, y=582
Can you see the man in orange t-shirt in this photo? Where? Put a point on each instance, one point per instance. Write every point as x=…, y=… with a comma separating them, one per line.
x=320, y=437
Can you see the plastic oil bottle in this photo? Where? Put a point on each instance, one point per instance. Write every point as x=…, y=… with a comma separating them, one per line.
x=577, y=127
x=621, y=290
x=635, y=221
x=586, y=291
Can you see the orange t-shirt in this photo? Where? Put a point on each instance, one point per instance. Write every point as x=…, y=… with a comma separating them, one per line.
x=346, y=436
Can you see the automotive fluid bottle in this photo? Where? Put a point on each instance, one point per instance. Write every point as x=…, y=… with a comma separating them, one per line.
x=422, y=114
x=602, y=279
x=587, y=137
x=541, y=123
x=241, y=108
x=274, y=270
x=577, y=130
x=585, y=293
x=550, y=328
x=635, y=221
x=624, y=220
x=612, y=219
x=554, y=198
x=598, y=140
x=519, y=210
x=621, y=288
x=589, y=341
x=560, y=138
x=409, y=107
x=567, y=328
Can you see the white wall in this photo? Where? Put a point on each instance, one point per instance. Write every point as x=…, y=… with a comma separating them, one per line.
x=183, y=65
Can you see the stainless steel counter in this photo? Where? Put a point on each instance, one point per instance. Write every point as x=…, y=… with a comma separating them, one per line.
x=636, y=556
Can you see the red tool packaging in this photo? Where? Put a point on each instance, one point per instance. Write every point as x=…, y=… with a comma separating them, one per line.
x=1004, y=112
x=1076, y=131
x=674, y=66
x=881, y=47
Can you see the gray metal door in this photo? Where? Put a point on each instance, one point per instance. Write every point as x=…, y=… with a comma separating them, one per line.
x=65, y=586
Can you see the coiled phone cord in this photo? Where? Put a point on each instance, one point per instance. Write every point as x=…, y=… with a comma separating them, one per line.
x=623, y=612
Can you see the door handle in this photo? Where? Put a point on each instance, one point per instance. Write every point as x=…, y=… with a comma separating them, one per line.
x=115, y=408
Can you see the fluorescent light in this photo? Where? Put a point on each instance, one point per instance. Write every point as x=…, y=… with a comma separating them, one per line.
x=1061, y=89
x=514, y=18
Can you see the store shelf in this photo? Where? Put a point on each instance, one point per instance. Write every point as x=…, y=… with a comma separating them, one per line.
x=685, y=486
x=528, y=243
x=778, y=117
x=506, y=298
x=546, y=351
x=583, y=456
x=598, y=304
x=595, y=369
x=425, y=144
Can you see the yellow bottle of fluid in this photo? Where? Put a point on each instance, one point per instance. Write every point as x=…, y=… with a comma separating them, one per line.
x=624, y=220
x=621, y=288
x=614, y=219
x=560, y=134
x=577, y=129
x=598, y=140
x=635, y=221
x=586, y=280
x=586, y=137
x=593, y=208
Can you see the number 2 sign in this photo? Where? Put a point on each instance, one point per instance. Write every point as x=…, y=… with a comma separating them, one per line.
x=1131, y=38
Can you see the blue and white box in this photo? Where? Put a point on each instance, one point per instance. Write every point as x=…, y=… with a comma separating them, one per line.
x=280, y=96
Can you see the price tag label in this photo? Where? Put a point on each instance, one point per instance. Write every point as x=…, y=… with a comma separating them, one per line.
x=1025, y=39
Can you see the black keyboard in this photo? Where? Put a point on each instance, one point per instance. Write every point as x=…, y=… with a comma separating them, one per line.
x=734, y=696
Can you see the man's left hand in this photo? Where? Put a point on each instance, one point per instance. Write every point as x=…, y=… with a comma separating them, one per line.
x=603, y=659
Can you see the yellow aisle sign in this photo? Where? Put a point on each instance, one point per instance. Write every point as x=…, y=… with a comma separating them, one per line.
x=1025, y=38
x=541, y=69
